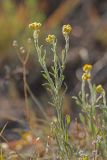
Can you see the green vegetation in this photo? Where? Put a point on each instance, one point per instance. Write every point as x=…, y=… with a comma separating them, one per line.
x=92, y=99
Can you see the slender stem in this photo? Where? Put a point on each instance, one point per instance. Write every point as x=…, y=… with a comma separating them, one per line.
x=83, y=93
x=104, y=99
x=91, y=92
x=66, y=46
x=25, y=92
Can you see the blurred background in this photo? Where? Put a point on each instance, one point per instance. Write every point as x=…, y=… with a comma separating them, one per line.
x=88, y=44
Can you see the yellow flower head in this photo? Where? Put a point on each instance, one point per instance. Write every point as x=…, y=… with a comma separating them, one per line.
x=50, y=38
x=66, y=29
x=35, y=26
x=86, y=76
x=99, y=89
x=87, y=67
x=85, y=157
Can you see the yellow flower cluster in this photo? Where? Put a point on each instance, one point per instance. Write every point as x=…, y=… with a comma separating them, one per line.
x=86, y=75
x=87, y=67
x=85, y=157
x=99, y=89
x=66, y=29
x=50, y=38
x=35, y=26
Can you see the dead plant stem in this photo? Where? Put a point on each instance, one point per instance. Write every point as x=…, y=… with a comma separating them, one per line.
x=25, y=92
